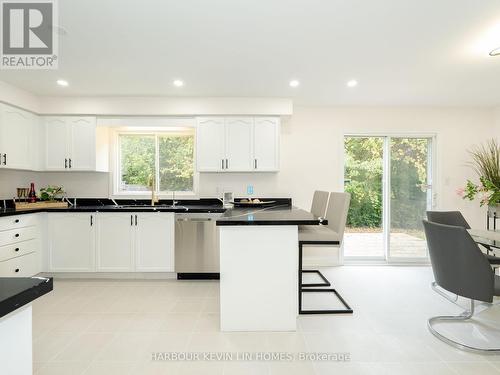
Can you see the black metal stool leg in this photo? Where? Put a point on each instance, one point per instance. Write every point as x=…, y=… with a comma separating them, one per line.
x=347, y=309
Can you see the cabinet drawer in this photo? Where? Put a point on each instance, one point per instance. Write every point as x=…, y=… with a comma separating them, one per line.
x=17, y=221
x=16, y=235
x=25, y=266
x=18, y=249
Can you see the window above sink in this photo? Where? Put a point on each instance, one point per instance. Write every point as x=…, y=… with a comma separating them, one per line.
x=161, y=158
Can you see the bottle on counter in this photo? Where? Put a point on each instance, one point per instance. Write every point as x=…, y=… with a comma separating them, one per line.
x=32, y=193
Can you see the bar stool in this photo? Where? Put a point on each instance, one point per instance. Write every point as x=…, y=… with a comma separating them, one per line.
x=318, y=209
x=331, y=234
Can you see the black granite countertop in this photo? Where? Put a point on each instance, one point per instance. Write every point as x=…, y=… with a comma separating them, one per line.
x=16, y=292
x=275, y=215
x=280, y=213
x=106, y=205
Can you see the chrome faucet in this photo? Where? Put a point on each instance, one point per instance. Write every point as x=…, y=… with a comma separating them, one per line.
x=174, y=202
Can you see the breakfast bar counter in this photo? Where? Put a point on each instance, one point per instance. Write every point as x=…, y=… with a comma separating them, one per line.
x=259, y=267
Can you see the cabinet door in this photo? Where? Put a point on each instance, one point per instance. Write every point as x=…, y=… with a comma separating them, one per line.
x=57, y=143
x=16, y=128
x=82, y=144
x=210, y=144
x=239, y=144
x=266, y=144
x=71, y=242
x=154, y=250
x=115, y=242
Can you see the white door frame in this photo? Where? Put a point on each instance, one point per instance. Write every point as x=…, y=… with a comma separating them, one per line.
x=431, y=179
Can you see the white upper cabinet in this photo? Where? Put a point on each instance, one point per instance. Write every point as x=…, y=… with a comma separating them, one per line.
x=17, y=130
x=238, y=144
x=266, y=144
x=83, y=142
x=210, y=140
x=57, y=143
x=70, y=143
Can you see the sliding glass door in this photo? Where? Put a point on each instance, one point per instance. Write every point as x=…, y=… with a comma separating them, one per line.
x=390, y=181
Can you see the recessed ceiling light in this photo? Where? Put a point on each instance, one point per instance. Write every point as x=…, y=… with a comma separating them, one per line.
x=495, y=52
x=62, y=82
x=178, y=83
x=352, y=83
x=294, y=83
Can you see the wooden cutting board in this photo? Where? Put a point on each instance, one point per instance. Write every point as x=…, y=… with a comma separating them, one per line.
x=22, y=206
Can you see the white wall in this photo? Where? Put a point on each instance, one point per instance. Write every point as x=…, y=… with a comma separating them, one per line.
x=312, y=151
x=312, y=155
x=164, y=106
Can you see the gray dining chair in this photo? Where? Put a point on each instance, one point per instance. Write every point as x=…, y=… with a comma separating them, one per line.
x=331, y=234
x=459, y=267
x=457, y=219
x=448, y=217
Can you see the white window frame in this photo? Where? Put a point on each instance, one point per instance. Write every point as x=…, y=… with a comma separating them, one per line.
x=432, y=200
x=115, y=158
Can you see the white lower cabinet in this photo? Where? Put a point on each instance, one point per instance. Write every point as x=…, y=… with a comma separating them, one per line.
x=20, y=246
x=110, y=242
x=115, y=242
x=154, y=242
x=71, y=242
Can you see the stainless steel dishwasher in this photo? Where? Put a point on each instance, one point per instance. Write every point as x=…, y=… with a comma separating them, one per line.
x=196, y=246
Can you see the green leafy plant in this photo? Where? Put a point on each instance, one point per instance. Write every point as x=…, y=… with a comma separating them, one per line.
x=486, y=163
x=50, y=193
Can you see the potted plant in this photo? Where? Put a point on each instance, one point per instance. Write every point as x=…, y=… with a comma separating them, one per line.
x=486, y=163
x=50, y=193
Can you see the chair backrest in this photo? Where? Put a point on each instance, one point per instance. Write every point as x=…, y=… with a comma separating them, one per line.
x=458, y=264
x=448, y=217
x=336, y=212
x=319, y=202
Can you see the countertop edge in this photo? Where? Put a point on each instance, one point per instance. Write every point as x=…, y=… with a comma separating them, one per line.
x=29, y=295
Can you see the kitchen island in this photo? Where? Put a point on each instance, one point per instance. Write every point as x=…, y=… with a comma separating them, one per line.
x=16, y=295
x=259, y=278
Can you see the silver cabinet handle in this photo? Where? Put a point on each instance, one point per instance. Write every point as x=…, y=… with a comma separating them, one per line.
x=69, y=162
x=222, y=160
x=227, y=163
x=65, y=163
x=131, y=220
x=255, y=163
x=4, y=159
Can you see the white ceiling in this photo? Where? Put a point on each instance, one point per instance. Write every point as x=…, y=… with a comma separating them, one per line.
x=402, y=52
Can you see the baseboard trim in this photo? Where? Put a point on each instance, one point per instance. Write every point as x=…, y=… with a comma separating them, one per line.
x=112, y=275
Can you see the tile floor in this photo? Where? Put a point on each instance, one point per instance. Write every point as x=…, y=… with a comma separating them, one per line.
x=113, y=327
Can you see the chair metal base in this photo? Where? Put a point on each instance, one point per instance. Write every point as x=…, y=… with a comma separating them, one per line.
x=305, y=288
x=347, y=310
x=460, y=318
x=318, y=272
